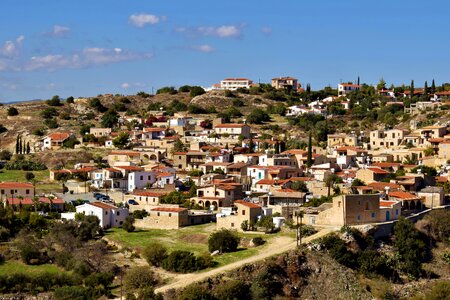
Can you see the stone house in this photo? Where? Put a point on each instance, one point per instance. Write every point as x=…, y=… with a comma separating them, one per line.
x=245, y=211
x=165, y=218
x=16, y=189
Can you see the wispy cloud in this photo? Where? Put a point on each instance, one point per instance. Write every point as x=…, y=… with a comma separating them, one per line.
x=203, y=48
x=141, y=20
x=86, y=58
x=266, y=30
x=127, y=85
x=224, y=31
x=59, y=31
x=12, y=49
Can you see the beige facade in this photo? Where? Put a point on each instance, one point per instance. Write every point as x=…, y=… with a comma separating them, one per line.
x=234, y=130
x=165, y=218
x=16, y=189
x=432, y=196
x=245, y=211
x=355, y=210
x=188, y=160
x=334, y=140
x=99, y=132
x=386, y=138
x=370, y=175
x=289, y=83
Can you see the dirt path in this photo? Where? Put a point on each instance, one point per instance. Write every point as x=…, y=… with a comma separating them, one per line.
x=277, y=246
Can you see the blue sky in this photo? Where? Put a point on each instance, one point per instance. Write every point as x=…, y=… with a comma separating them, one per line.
x=84, y=48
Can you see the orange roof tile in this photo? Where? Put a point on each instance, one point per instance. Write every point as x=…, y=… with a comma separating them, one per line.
x=15, y=185
x=169, y=209
x=101, y=205
x=230, y=125
x=402, y=195
x=378, y=171
x=248, y=204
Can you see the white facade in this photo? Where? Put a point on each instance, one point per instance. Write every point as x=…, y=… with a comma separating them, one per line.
x=345, y=88
x=109, y=215
x=235, y=83
x=139, y=180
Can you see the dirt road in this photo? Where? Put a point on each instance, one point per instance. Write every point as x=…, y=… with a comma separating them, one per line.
x=277, y=246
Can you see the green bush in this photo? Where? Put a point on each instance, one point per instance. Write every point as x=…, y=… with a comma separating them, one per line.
x=154, y=254
x=12, y=111
x=128, y=224
x=223, y=240
x=258, y=241
x=195, y=292
x=182, y=262
x=233, y=289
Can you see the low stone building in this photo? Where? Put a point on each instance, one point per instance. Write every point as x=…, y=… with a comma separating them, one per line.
x=245, y=211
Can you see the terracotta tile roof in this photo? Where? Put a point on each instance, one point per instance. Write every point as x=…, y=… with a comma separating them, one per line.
x=386, y=164
x=402, y=195
x=165, y=174
x=169, y=209
x=441, y=179
x=149, y=194
x=387, y=203
x=271, y=181
x=378, y=171
x=350, y=85
x=300, y=179
x=130, y=168
x=248, y=204
x=59, y=136
x=154, y=129
x=295, y=151
x=101, y=205
x=230, y=125
x=29, y=201
x=381, y=185
x=16, y=185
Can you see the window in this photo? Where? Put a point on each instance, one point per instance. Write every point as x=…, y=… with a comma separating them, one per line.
x=158, y=214
x=339, y=204
x=359, y=217
x=396, y=211
x=367, y=206
x=118, y=213
x=373, y=215
x=106, y=212
x=170, y=214
x=142, y=177
x=243, y=212
x=27, y=192
x=149, y=177
x=232, y=224
x=3, y=192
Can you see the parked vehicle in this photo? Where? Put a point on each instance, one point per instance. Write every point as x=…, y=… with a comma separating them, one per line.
x=132, y=202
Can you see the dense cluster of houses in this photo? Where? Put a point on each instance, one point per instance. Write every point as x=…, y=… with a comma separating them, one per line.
x=241, y=176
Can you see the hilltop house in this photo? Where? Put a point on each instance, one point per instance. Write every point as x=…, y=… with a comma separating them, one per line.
x=55, y=140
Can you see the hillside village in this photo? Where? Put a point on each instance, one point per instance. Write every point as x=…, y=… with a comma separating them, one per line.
x=233, y=155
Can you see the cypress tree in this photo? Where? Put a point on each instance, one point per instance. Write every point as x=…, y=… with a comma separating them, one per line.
x=425, y=89
x=20, y=145
x=309, y=159
x=28, y=148
x=358, y=80
x=411, y=89
x=433, y=87
x=17, y=144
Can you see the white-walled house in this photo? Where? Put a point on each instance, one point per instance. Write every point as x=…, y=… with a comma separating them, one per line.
x=109, y=215
x=346, y=88
x=140, y=180
x=235, y=83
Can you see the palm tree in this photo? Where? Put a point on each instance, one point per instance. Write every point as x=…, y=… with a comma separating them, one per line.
x=35, y=200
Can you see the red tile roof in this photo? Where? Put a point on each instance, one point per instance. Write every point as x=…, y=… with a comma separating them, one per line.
x=29, y=201
x=230, y=125
x=16, y=185
x=59, y=136
x=128, y=153
x=378, y=171
x=381, y=185
x=387, y=203
x=154, y=129
x=169, y=209
x=130, y=168
x=248, y=204
x=101, y=205
x=386, y=164
x=150, y=194
x=402, y=195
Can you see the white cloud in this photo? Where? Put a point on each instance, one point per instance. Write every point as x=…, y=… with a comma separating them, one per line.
x=60, y=31
x=224, y=31
x=88, y=57
x=266, y=30
x=125, y=85
x=140, y=20
x=12, y=49
x=203, y=48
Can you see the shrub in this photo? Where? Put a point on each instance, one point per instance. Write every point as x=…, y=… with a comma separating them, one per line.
x=4, y=234
x=70, y=100
x=55, y=101
x=140, y=277
x=196, y=91
x=29, y=176
x=51, y=123
x=267, y=223
x=195, y=292
x=128, y=224
x=49, y=113
x=232, y=289
x=139, y=214
x=258, y=241
x=12, y=111
x=3, y=128
x=71, y=293
x=180, y=261
x=154, y=254
x=224, y=241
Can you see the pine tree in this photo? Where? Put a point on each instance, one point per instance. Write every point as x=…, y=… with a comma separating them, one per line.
x=411, y=89
x=309, y=159
x=425, y=89
x=433, y=87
